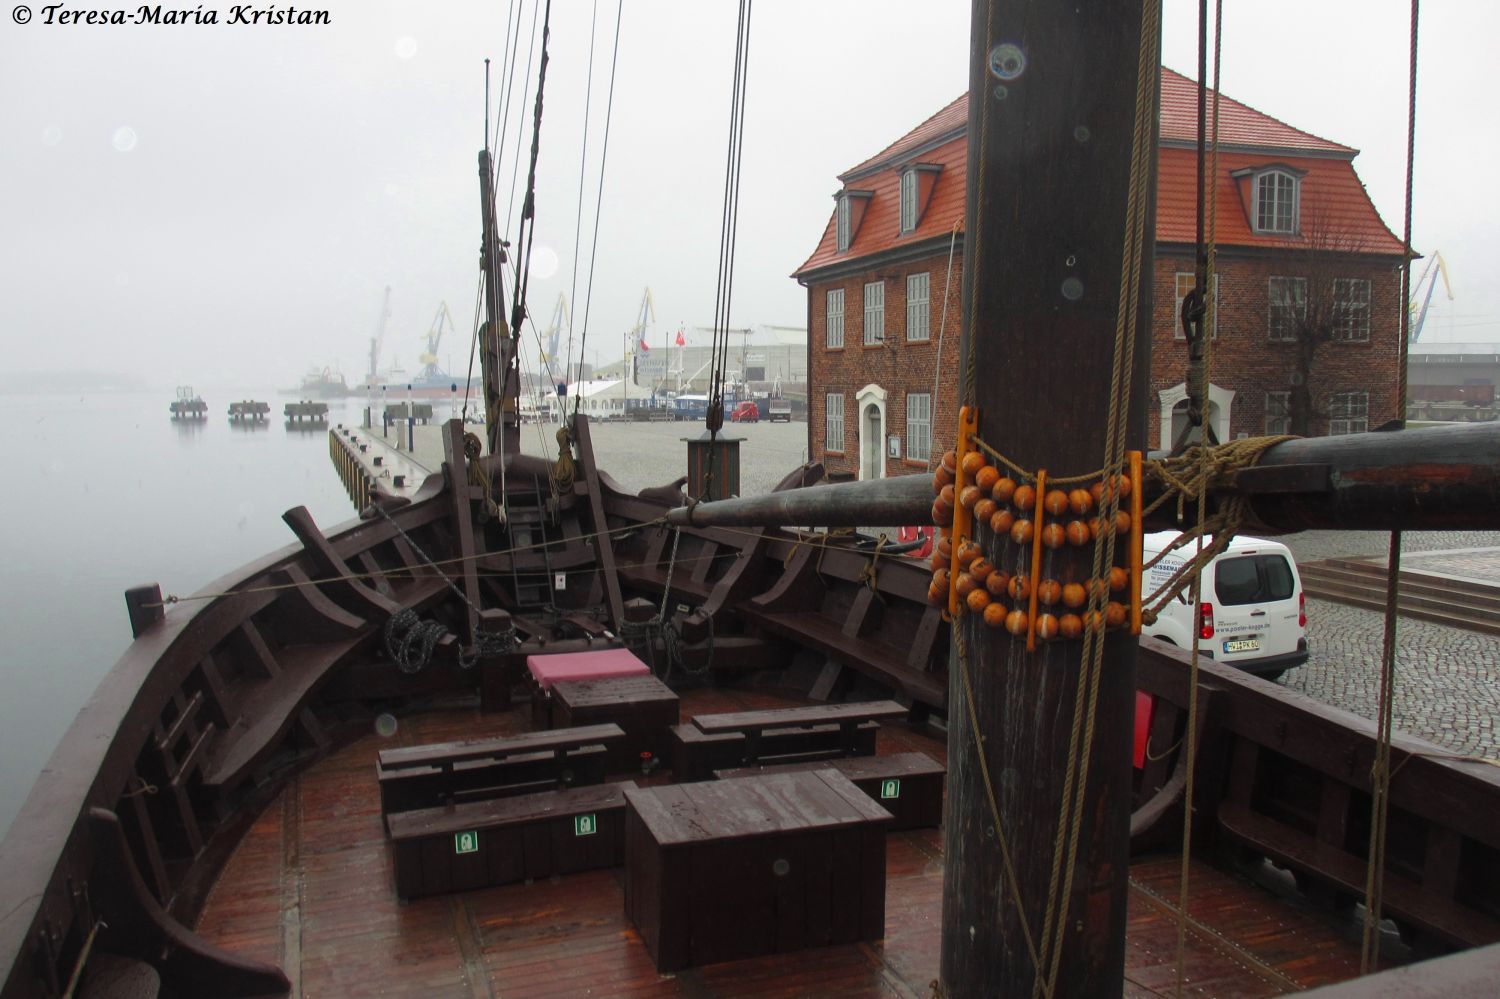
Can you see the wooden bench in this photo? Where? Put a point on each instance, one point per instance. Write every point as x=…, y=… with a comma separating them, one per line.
x=754, y=724
x=885, y=663
x=418, y=777
x=695, y=754
x=1403, y=898
x=479, y=844
x=908, y=785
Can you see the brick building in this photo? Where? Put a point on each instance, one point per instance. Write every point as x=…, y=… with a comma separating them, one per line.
x=1300, y=249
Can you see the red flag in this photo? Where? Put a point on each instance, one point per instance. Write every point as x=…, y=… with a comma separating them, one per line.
x=644, y=348
x=681, y=342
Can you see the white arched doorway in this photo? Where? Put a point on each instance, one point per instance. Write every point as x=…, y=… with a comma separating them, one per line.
x=1173, y=415
x=870, y=404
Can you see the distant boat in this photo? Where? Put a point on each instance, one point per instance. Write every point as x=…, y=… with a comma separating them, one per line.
x=321, y=383
x=189, y=405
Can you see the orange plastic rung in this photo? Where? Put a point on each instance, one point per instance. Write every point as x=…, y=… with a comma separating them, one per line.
x=963, y=518
x=1036, y=557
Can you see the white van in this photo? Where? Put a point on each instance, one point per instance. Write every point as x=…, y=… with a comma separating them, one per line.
x=1254, y=612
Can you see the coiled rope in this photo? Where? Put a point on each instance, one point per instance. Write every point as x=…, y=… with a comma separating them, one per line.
x=410, y=641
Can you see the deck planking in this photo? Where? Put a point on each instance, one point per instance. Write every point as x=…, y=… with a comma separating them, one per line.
x=312, y=887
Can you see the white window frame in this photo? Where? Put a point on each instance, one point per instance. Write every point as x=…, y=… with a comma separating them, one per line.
x=908, y=200
x=1278, y=413
x=1280, y=327
x=919, y=426
x=919, y=307
x=833, y=423
x=835, y=319
x=874, y=313
x=1351, y=300
x=1348, y=413
x=1277, y=198
x=1185, y=281
x=841, y=222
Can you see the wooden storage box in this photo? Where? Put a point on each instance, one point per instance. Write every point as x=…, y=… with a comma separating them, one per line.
x=908, y=785
x=722, y=870
x=643, y=706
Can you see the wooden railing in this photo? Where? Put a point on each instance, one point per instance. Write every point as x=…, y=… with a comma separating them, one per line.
x=1282, y=776
x=116, y=845
x=194, y=726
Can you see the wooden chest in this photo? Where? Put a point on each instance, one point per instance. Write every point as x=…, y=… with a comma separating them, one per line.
x=728, y=869
x=643, y=706
x=504, y=840
x=908, y=785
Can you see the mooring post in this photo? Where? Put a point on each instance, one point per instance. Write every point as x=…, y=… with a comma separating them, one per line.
x=143, y=604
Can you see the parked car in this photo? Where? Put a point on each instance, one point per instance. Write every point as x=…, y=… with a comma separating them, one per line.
x=1254, y=613
x=745, y=412
x=779, y=409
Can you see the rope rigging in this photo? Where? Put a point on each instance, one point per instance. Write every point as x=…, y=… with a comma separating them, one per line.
x=724, y=288
x=1200, y=348
x=526, y=233
x=583, y=159
x=1381, y=774
x=609, y=107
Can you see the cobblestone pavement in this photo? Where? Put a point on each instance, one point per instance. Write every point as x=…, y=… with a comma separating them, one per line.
x=1447, y=679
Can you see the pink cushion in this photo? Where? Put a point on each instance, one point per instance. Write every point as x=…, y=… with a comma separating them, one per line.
x=599, y=665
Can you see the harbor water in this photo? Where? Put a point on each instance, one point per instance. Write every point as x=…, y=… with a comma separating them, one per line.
x=107, y=492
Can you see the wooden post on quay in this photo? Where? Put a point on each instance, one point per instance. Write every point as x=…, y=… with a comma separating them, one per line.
x=1052, y=109
x=143, y=605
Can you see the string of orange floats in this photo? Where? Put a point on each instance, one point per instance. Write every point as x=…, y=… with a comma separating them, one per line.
x=988, y=516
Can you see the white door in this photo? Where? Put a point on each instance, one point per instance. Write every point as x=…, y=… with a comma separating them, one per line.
x=871, y=442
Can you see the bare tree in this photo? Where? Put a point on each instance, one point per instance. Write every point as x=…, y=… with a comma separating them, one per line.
x=1321, y=297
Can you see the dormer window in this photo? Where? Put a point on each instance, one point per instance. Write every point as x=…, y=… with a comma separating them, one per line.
x=908, y=200
x=917, y=182
x=849, y=211
x=1276, y=197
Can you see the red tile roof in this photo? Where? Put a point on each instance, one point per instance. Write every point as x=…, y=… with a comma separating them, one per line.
x=1336, y=211
x=1334, y=201
x=1239, y=126
x=952, y=119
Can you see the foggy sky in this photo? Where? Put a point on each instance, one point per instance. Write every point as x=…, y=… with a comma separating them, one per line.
x=223, y=205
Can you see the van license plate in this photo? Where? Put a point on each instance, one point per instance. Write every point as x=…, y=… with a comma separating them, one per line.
x=1242, y=645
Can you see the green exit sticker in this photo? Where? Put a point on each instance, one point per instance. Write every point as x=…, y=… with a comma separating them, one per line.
x=466, y=842
x=585, y=825
x=890, y=788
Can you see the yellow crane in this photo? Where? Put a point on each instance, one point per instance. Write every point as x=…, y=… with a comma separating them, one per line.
x=1417, y=314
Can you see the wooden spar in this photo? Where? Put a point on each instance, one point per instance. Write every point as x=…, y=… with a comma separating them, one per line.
x=1430, y=478
x=497, y=358
x=1050, y=142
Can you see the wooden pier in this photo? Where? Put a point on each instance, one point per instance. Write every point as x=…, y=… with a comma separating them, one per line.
x=315, y=412
x=249, y=410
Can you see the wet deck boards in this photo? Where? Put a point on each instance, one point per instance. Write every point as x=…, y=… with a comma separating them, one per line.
x=312, y=888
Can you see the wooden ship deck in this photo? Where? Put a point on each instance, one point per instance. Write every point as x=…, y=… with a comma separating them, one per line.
x=311, y=889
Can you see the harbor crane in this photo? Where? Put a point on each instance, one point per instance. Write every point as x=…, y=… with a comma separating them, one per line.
x=560, y=320
x=378, y=340
x=1418, y=313
x=635, y=340
x=429, y=358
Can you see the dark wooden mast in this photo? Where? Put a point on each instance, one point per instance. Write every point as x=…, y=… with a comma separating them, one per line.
x=1052, y=108
x=498, y=361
